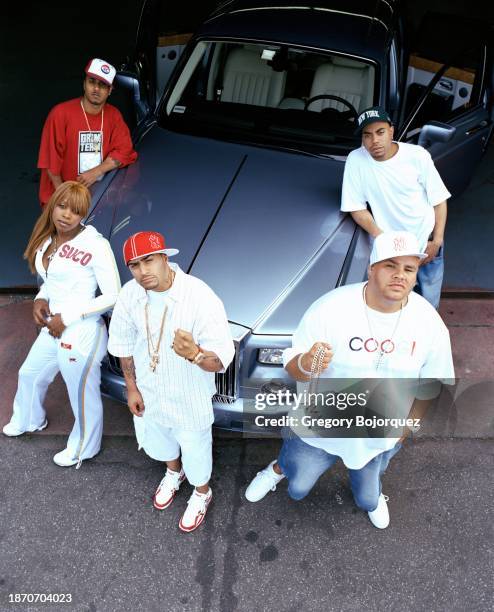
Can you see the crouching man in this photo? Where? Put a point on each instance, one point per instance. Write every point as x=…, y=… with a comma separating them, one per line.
x=170, y=331
x=359, y=332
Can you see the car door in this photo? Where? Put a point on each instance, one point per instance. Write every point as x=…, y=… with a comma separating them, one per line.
x=453, y=87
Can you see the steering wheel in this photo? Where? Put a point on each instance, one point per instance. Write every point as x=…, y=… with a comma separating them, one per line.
x=351, y=113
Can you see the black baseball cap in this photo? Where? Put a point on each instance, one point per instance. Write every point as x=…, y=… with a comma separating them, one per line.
x=371, y=115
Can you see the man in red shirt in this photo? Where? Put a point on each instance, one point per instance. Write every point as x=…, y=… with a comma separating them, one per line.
x=85, y=137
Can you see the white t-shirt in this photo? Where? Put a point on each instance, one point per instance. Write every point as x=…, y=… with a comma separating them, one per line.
x=401, y=191
x=416, y=345
x=157, y=301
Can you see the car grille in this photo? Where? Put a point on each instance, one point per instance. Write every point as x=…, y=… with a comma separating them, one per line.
x=226, y=382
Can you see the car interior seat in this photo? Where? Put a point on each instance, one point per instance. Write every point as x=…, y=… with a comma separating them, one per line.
x=346, y=78
x=247, y=79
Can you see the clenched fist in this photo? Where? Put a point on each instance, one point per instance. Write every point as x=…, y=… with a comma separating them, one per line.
x=184, y=345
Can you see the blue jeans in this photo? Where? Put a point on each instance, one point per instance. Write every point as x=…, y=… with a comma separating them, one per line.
x=430, y=279
x=303, y=464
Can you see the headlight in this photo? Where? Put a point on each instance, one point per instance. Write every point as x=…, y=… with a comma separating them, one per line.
x=274, y=386
x=271, y=356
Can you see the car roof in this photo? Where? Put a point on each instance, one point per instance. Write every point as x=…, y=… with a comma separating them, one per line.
x=356, y=27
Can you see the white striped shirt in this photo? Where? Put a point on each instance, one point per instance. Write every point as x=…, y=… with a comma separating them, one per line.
x=178, y=393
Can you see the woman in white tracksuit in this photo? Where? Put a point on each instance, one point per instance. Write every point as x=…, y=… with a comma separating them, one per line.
x=73, y=261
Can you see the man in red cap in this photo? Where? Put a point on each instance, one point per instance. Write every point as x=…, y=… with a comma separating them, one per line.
x=85, y=137
x=171, y=334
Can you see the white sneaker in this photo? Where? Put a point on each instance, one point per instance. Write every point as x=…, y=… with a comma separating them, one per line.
x=196, y=510
x=167, y=489
x=65, y=458
x=265, y=481
x=380, y=516
x=11, y=430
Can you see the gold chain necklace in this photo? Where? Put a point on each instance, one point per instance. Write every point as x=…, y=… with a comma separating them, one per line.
x=315, y=372
x=316, y=368
x=153, y=351
x=97, y=145
x=52, y=254
x=154, y=356
x=381, y=354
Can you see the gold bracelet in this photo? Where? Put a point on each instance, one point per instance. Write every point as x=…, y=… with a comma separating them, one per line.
x=199, y=357
x=192, y=359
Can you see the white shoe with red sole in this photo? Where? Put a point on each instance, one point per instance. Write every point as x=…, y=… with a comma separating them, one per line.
x=197, y=507
x=167, y=489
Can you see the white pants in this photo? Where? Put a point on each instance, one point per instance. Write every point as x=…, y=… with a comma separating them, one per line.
x=77, y=355
x=168, y=443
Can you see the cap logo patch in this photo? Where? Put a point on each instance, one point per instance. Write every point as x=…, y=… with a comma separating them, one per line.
x=105, y=69
x=367, y=115
x=154, y=241
x=400, y=244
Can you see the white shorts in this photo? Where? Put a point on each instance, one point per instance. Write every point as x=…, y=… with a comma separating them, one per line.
x=168, y=443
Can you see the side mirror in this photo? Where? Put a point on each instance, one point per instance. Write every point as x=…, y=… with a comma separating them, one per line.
x=129, y=81
x=435, y=131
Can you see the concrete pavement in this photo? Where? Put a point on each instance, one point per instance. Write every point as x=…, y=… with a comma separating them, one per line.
x=94, y=534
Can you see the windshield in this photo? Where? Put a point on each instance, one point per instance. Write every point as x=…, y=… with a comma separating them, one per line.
x=272, y=95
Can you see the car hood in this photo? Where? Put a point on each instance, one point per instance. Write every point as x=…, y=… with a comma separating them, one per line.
x=261, y=227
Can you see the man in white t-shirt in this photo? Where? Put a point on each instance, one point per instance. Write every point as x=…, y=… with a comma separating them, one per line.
x=375, y=330
x=171, y=333
x=404, y=191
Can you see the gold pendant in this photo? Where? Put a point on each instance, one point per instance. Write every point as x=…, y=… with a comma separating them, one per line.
x=154, y=362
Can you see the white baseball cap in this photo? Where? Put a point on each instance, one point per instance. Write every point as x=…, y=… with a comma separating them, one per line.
x=101, y=70
x=395, y=244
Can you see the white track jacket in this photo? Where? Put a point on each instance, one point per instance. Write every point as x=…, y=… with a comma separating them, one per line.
x=78, y=268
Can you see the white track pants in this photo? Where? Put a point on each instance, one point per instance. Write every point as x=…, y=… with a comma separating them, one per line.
x=77, y=355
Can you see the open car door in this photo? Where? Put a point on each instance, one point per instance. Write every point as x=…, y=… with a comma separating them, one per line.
x=449, y=96
x=163, y=30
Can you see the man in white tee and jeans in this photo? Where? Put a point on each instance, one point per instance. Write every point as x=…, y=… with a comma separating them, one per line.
x=375, y=330
x=404, y=191
x=171, y=333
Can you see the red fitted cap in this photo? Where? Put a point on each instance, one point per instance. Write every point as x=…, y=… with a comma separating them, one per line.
x=143, y=244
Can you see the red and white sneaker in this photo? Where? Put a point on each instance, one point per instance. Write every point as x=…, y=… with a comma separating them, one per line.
x=167, y=489
x=196, y=510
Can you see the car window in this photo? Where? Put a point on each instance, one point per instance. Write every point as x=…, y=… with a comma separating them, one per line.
x=172, y=26
x=444, y=40
x=270, y=93
x=459, y=89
